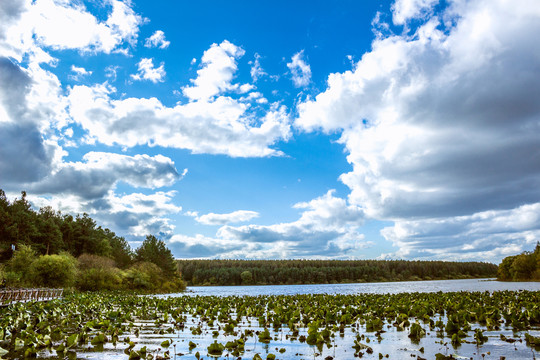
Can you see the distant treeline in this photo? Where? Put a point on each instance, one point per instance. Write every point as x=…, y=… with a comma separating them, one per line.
x=275, y=272
x=522, y=267
x=47, y=248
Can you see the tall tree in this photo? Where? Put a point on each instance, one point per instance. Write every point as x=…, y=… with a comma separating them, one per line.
x=155, y=251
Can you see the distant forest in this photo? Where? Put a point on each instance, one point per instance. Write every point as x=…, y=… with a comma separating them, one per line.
x=522, y=267
x=275, y=272
x=46, y=248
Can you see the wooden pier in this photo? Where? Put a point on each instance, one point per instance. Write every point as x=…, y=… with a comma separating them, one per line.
x=10, y=296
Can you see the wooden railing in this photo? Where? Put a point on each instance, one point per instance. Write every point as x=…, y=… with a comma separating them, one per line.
x=8, y=296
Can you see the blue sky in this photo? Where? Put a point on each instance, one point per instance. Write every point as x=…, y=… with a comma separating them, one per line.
x=345, y=129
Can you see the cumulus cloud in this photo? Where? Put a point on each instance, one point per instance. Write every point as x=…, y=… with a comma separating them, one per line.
x=63, y=25
x=157, y=40
x=29, y=105
x=99, y=172
x=222, y=219
x=405, y=10
x=441, y=123
x=79, y=73
x=10, y=12
x=300, y=70
x=222, y=126
x=215, y=76
x=328, y=227
x=135, y=214
x=89, y=186
x=468, y=237
x=147, y=71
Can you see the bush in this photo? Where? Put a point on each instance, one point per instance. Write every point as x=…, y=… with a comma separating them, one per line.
x=97, y=273
x=17, y=270
x=90, y=261
x=99, y=279
x=54, y=271
x=145, y=276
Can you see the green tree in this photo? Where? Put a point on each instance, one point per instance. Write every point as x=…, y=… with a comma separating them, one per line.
x=54, y=270
x=120, y=250
x=523, y=267
x=7, y=238
x=504, y=272
x=18, y=266
x=49, y=237
x=247, y=277
x=24, y=221
x=155, y=251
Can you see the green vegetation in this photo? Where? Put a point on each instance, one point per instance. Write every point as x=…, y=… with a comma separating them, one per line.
x=147, y=327
x=275, y=272
x=55, y=250
x=523, y=267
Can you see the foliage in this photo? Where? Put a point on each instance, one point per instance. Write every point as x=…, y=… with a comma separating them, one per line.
x=81, y=319
x=145, y=276
x=50, y=232
x=54, y=270
x=155, y=251
x=102, y=255
x=275, y=272
x=97, y=273
x=19, y=264
x=247, y=278
x=522, y=267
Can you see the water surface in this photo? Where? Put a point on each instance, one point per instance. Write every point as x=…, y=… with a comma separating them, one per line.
x=369, y=288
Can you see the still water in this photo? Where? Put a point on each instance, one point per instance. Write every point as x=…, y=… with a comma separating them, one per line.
x=391, y=343
x=369, y=288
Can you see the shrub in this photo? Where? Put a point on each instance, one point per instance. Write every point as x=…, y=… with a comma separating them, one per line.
x=54, y=270
x=97, y=273
x=144, y=275
x=90, y=261
x=95, y=279
x=17, y=271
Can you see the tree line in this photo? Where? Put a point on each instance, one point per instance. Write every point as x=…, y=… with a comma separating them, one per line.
x=522, y=267
x=275, y=272
x=47, y=248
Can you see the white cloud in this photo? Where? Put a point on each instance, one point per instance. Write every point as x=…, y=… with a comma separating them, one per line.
x=222, y=219
x=111, y=72
x=134, y=214
x=256, y=71
x=442, y=123
x=157, y=40
x=99, y=172
x=147, y=71
x=31, y=108
x=468, y=237
x=215, y=76
x=405, y=10
x=328, y=228
x=300, y=70
x=222, y=126
x=80, y=72
x=89, y=186
x=68, y=25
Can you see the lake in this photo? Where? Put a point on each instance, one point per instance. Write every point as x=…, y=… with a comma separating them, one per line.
x=367, y=288
x=201, y=316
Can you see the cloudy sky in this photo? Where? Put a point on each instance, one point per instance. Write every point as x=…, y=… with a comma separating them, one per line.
x=346, y=129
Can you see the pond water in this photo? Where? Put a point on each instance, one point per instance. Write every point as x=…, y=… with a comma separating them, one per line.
x=391, y=342
x=367, y=288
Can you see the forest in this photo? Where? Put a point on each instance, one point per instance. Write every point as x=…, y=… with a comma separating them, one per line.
x=275, y=272
x=522, y=267
x=46, y=248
